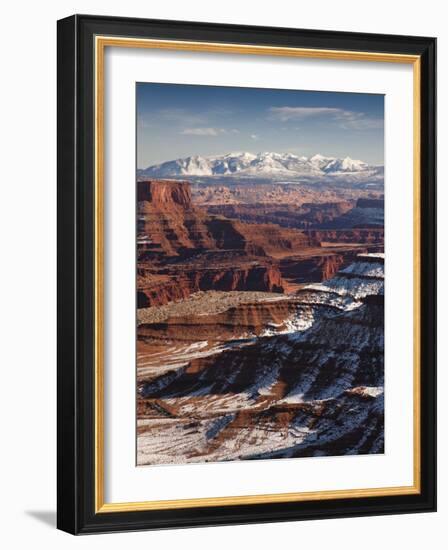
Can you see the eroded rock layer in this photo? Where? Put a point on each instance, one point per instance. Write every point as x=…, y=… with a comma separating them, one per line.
x=309, y=384
x=183, y=249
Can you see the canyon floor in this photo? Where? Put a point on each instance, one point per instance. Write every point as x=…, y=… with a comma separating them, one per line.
x=260, y=322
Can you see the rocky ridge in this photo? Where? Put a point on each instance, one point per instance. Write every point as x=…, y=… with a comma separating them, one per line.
x=296, y=388
x=183, y=249
x=267, y=164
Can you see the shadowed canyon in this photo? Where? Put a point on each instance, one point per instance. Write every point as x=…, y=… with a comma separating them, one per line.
x=260, y=320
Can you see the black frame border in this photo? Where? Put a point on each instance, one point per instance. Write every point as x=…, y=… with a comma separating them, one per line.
x=75, y=272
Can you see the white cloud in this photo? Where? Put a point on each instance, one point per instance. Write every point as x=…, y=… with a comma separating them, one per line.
x=348, y=120
x=208, y=131
x=202, y=131
x=254, y=136
x=188, y=118
x=181, y=116
x=362, y=123
x=297, y=113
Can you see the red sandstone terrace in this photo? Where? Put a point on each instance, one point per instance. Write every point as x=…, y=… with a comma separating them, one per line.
x=182, y=248
x=252, y=319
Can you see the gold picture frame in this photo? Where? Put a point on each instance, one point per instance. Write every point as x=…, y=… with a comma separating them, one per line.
x=97, y=38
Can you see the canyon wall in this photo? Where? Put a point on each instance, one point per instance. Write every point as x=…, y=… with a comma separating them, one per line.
x=183, y=248
x=312, y=389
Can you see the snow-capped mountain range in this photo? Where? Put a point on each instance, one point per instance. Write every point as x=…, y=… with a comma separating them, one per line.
x=266, y=165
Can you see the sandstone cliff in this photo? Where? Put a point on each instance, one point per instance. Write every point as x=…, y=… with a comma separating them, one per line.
x=314, y=389
x=183, y=249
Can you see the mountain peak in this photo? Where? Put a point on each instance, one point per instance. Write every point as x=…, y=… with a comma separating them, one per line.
x=318, y=156
x=266, y=164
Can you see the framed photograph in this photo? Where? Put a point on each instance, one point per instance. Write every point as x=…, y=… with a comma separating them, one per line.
x=246, y=274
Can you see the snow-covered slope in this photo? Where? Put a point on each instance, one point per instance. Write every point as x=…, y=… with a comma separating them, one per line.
x=270, y=165
x=315, y=389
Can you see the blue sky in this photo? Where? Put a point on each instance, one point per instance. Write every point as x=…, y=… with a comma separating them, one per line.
x=176, y=120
